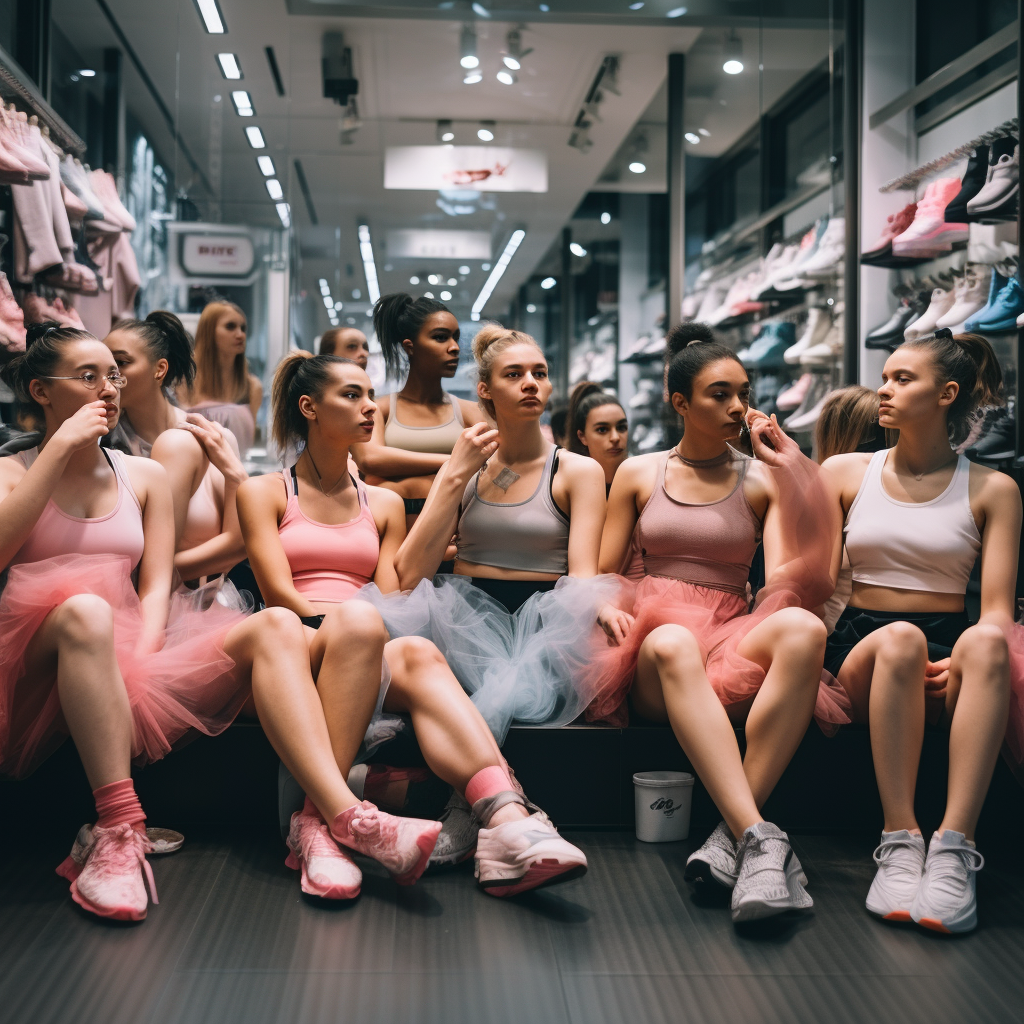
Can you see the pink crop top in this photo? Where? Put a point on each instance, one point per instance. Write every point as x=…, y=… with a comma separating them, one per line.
x=710, y=544
x=119, y=532
x=329, y=563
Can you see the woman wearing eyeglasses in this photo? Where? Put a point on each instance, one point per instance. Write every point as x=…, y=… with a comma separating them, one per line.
x=92, y=643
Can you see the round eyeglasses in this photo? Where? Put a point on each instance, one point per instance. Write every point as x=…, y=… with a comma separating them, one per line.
x=92, y=380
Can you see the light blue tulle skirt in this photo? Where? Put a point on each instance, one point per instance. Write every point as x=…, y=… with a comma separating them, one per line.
x=531, y=667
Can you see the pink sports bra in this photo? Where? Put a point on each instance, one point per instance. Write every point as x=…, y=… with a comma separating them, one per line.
x=711, y=544
x=329, y=563
x=119, y=532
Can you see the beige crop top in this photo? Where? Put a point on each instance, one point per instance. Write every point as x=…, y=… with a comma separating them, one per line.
x=912, y=545
x=438, y=440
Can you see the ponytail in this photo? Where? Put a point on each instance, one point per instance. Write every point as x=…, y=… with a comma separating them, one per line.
x=686, y=334
x=298, y=374
x=165, y=337
x=398, y=317
x=586, y=397
x=970, y=361
x=688, y=361
x=44, y=347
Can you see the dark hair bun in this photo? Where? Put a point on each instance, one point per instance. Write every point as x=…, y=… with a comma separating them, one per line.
x=689, y=333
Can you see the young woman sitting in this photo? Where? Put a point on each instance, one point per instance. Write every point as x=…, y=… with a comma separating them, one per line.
x=315, y=536
x=599, y=428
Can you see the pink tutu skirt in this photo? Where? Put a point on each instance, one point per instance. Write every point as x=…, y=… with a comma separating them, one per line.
x=189, y=685
x=719, y=621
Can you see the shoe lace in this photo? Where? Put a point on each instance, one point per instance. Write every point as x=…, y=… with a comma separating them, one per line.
x=365, y=820
x=123, y=848
x=320, y=842
x=952, y=864
x=886, y=851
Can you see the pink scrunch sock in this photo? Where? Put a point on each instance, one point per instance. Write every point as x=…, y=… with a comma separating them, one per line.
x=488, y=782
x=116, y=803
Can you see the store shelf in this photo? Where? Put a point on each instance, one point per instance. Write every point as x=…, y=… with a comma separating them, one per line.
x=15, y=84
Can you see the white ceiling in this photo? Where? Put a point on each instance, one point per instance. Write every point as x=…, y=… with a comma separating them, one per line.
x=409, y=77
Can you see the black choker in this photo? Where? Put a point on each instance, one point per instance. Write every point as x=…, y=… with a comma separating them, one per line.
x=718, y=460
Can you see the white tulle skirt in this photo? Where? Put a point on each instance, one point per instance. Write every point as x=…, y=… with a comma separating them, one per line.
x=530, y=667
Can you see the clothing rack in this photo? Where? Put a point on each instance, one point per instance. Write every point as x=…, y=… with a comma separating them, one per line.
x=909, y=182
x=15, y=84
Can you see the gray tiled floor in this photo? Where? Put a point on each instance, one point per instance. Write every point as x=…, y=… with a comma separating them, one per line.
x=233, y=940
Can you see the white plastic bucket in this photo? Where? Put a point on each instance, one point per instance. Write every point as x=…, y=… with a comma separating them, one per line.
x=663, y=802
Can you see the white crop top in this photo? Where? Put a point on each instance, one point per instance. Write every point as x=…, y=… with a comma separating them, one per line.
x=907, y=545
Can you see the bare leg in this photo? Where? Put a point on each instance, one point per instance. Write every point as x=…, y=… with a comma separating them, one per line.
x=671, y=682
x=884, y=677
x=977, y=702
x=454, y=738
x=274, y=646
x=77, y=638
x=790, y=644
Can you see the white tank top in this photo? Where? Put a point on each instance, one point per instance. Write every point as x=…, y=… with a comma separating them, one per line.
x=912, y=545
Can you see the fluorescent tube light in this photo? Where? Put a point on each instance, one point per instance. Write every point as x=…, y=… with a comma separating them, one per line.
x=229, y=66
x=255, y=137
x=266, y=166
x=499, y=268
x=210, y=13
x=369, y=268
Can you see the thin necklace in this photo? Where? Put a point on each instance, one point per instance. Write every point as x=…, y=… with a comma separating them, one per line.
x=320, y=481
x=718, y=460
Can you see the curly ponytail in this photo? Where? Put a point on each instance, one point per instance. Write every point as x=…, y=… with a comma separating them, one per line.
x=165, y=337
x=398, y=317
x=586, y=397
x=44, y=347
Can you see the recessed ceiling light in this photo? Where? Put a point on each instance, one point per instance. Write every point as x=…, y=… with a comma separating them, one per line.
x=356, y=293
x=338, y=307
x=506, y=77
x=87, y=73
x=229, y=66
x=485, y=134
x=446, y=296
x=284, y=211
x=511, y=63
x=637, y=167
x=485, y=266
x=328, y=304
x=274, y=188
x=635, y=7
x=577, y=250
x=606, y=217
x=732, y=51
x=692, y=137
x=732, y=67
x=325, y=288
x=255, y=137
x=463, y=270
x=210, y=13
x=453, y=280
x=414, y=280
x=266, y=166
x=428, y=295
x=472, y=78
x=433, y=279
x=544, y=8
x=548, y=282
x=676, y=12
x=704, y=132
x=531, y=308
x=448, y=136
x=481, y=11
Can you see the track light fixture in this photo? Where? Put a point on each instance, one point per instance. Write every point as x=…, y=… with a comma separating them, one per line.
x=514, y=52
x=732, y=53
x=444, y=132
x=468, y=57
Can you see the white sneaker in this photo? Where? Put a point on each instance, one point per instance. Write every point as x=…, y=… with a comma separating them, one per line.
x=526, y=854
x=768, y=875
x=900, y=860
x=947, y=899
x=715, y=861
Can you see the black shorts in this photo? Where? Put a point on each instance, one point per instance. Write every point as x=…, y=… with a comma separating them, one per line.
x=941, y=630
x=316, y=621
x=414, y=506
x=513, y=594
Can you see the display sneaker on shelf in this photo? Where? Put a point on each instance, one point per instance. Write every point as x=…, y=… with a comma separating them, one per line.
x=713, y=299
x=805, y=421
x=971, y=184
x=997, y=436
x=947, y=899
x=737, y=290
x=970, y=296
x=941, y=303
x=818, y=323
x=1002, y=314
x=890, y=334
x=633, y=351
x=794, y=275
x=794, y=395
x=645, y=392
x=896, y=224
x=829, y=350
x=781, y=267
x=655, y=347
x=931, y=234
x=1000, y=275
x=997, y=198
x=770, y=346
x=827, y=261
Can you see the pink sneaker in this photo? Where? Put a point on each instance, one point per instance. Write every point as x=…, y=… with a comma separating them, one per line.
x=930, y=234
x=106, y=868
x=895, y=225
x=402, y=845
x=517, y=856
x=327, y=871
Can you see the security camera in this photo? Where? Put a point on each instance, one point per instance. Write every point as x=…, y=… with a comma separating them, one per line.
x=339, y=82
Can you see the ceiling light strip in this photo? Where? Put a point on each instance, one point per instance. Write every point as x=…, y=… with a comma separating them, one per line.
x=212, y=18
x=499, y=269
x=369, y=267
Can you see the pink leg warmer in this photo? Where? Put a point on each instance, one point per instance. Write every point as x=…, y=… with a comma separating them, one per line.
x=117, y=802
x=488, y=782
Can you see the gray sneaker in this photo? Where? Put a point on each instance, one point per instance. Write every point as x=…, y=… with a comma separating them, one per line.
x=457, y=839
x=715, y=861
x=768, y=875
x=947, y=899
x=900, y=860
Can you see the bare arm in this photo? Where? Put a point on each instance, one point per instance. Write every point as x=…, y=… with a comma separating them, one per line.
x=255, y=395
x=585, y=480
x=389, y=515
x=261, y=503
x=375, y=458
x=23, y=495
x=621, y=517
x=1000, y=542
x=156, y=565
x=185, y=462
x=424, y=549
